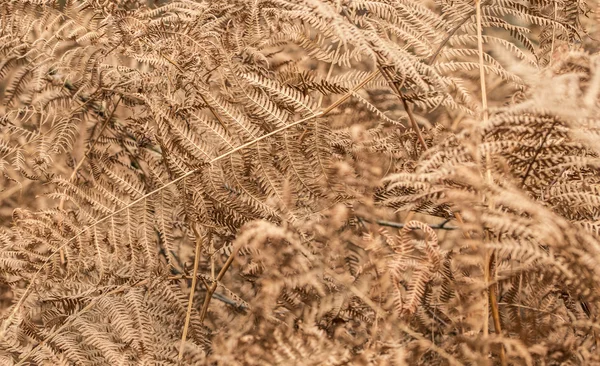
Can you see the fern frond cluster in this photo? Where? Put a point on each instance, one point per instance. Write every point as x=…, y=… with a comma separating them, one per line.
x=299, y=182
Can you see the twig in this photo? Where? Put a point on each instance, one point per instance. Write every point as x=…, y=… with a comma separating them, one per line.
x=104, y=125
x=400, y=96
x=553, y=35
x=9, y=192
x=215, y=295
x=211, y=290
x=192, y=289
x=454, y=30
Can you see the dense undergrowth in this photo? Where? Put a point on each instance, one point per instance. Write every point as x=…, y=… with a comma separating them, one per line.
x=310, y=182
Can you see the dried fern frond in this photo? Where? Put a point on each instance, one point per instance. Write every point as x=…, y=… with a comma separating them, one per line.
x=271, y=182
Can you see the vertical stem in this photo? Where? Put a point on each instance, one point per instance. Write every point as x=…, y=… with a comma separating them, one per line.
x=192, y=289
x=481, y=61
x=486, y=278
x=487, y=256
x=553, y=34
x=212, y=260
x=494, y=304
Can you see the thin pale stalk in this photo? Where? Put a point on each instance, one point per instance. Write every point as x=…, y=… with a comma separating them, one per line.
x=553, y=34
x=484, y=103
x=486, y=307
x=495, y=311
x=192, y=289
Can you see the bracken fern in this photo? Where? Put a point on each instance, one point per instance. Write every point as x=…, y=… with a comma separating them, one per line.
x=256, y=182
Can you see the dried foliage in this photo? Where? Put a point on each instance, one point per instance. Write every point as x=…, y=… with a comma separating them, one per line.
x=314, y=182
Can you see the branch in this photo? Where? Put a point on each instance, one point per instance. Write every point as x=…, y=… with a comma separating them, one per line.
x=450, y=35
x=215, y=295
x=211, y=290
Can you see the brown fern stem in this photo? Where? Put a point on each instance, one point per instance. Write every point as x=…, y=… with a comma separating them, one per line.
x=400, y=96
x=212, y=110
x=192, y=289
x=211, y=290
x=494, y=306
x=484, y=103
x=102, y=128
x=447, y=38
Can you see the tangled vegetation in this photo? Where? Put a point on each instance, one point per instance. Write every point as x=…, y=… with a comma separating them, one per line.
x=309, y=182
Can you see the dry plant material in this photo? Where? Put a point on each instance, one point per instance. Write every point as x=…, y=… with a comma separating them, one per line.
x=223, y=182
